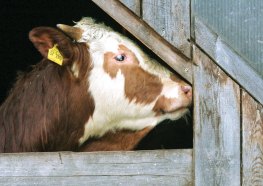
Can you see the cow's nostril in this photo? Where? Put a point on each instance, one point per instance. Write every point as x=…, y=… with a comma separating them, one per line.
x=186, y=89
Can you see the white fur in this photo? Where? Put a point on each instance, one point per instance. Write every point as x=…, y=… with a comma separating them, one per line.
x=112, y=109
x=75, y=70
x=171, y=89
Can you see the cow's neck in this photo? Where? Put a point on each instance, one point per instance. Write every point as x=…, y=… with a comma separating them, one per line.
x=45, y=111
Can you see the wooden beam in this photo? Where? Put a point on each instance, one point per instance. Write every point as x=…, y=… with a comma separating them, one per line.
x=163, y=167
x=252, y=142
x=216, y=124
x=143, y=32
x=228, y=60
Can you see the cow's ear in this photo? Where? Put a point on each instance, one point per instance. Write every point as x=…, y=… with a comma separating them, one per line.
x=45, y=38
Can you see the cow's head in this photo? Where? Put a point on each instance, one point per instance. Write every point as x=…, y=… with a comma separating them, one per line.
x=130, y=90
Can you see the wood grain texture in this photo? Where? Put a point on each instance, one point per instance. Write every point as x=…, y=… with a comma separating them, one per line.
x=252, y=148
x=169, y=167
x=226, y=58
x=92, y=180
x=133, y=5
x=169, y=54
x=170, y=18
x=217, y=124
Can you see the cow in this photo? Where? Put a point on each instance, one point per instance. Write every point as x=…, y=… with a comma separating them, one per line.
x=92, y=81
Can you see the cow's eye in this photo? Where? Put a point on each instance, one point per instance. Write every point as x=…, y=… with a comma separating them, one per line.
x=120, y=57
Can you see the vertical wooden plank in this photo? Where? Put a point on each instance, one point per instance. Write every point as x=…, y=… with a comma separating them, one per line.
x=252, y=148
x=171, y=19
x=133, y=5
x=217, y=124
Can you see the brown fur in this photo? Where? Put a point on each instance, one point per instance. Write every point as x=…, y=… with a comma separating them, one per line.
x=149, y=86
x=48, y=107
x=116, y=141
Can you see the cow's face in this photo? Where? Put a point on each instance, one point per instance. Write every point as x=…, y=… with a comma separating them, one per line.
x=130, y=90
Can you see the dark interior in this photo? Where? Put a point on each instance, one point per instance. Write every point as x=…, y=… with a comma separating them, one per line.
x=18, y=54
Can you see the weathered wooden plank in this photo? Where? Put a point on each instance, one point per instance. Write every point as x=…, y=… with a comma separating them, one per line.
x=138, y=167
x=252, y=149
x=133, y=5
x=93, y=180
x=225, y=57
x=217, y=124
x=172, y=56
x=171, y=19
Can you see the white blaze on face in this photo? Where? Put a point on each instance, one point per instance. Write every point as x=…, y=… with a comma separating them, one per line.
x=132, y=93
x=171, y=89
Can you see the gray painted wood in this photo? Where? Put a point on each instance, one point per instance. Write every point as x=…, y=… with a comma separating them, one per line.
x=169, y=54
x=217, y=124
x=171, y=20
x=133, y=5
x=225, y=57
x=239, y=22
x=93, y=181
x=252, y=149
x=169, y=167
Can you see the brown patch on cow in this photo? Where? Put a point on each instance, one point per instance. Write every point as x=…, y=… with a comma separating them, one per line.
x=109, y=66
x=140, y=85
x=116, y=141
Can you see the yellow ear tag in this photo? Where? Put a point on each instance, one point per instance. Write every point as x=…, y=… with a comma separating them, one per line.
x=54, y=55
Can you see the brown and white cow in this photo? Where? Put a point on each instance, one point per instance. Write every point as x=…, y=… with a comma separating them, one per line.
x=105, y=84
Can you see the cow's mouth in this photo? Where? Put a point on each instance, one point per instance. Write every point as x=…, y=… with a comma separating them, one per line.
x=172, y=114
x=175, y=110
x=173, y=106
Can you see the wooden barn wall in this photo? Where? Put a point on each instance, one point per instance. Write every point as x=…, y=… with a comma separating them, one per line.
x=222, y=155
x=167, y=167
x=228, y=59
x=216, y=124
x=251, y=116
x=171, y=19
x=252, y=141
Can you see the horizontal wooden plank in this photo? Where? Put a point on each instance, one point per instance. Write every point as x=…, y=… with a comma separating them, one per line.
x=252, y=142
x=93, y=180
x=143, y=32
x=152, y=165
x=226, y=58
x=217, y=124
x=171, y=20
